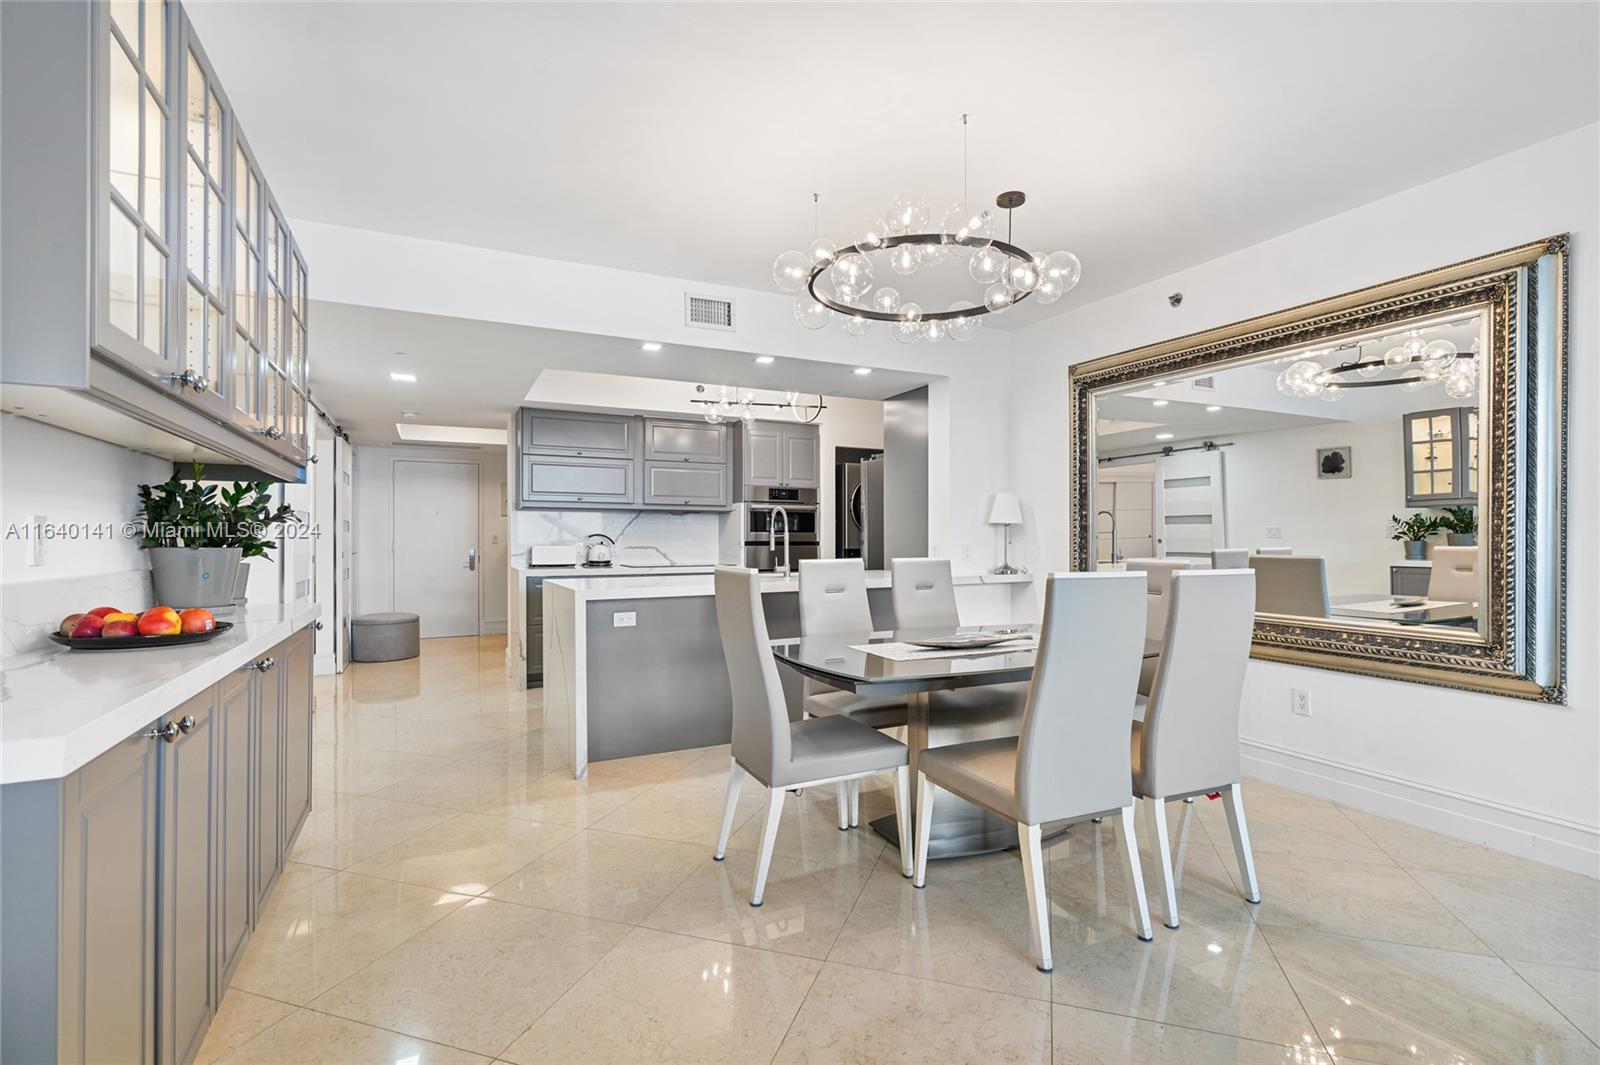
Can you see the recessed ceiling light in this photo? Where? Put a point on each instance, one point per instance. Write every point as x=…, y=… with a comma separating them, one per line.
x=765, y=360
x=408, y=414
x=649, y=345
x=400, y=354
x=1158, y=402
x=1213, y=409
x=863, y=370
x=395, y=375
x=1163, y=436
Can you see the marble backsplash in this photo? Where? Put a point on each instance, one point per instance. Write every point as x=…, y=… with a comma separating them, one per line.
x=31, y=610
x=643, y=537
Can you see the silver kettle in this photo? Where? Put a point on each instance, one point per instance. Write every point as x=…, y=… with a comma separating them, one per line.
x=598, y=549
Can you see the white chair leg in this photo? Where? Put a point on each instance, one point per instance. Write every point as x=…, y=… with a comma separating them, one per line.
x=1233, y=805
x=855, y=802
x=924, y=828
x=1156, y=809
x=841, y=791
x=735, y=778
x=769, y=836
x=902, y=818
x=1134, y=871
x=1028, y=838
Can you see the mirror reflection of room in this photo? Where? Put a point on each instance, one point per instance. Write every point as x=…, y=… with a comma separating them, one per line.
x=1345, y=474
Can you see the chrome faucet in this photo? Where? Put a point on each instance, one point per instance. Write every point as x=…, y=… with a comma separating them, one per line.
x=772, y=538
x=1113, y=516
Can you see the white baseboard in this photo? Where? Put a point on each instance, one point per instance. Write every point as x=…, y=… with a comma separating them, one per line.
x=1531, y=834
x=322, y=664
x=491, y=628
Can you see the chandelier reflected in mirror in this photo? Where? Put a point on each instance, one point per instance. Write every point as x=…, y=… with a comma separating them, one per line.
x=1412, y=365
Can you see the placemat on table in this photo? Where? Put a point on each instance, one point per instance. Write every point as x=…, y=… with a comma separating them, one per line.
x=907, y=652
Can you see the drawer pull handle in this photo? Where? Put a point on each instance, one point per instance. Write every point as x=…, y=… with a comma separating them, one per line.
x=168, y=732
x=264, y=664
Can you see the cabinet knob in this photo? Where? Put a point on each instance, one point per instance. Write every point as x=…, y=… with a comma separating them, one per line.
x=263, y=664
x=319, y=626
x=168, y=732
x=186, y=724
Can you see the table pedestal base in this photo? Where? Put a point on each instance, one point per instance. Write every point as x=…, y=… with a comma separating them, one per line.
x=962, y=837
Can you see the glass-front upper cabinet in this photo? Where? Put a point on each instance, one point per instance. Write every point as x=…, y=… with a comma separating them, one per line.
x=295, y=334
x=133, y=318
x=204, y=160
x=252, y=408
x=1441, y=457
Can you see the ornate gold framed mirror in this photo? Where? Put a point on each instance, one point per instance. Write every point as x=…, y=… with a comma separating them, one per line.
x=1390, y=462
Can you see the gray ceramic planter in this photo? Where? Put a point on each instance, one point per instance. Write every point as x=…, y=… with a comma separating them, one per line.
x=1416, y=549
x=1462, y=539
x=194, y=576
x=241, y=584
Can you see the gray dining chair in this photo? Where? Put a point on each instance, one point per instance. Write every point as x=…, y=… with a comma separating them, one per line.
x=923, y=594
x=1453, y=575
x=783, y=754
x=1291, y=584
x=1067, y=763
x=833, y=599
x=1188, y=743
x=1158, y=594
x=1230, y=558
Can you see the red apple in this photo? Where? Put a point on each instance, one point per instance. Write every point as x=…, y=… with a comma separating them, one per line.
x=159, y=621
x=197, y=619
x=102, y=611
x=87, y=628
x=68, y=623
x=118, y=630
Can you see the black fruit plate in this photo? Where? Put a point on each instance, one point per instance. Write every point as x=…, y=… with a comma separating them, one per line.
x=138, y=643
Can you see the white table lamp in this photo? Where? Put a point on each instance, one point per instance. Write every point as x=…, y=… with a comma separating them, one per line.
x=1007, y=511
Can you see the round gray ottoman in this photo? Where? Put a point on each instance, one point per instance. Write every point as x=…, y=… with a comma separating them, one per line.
x=383, y=637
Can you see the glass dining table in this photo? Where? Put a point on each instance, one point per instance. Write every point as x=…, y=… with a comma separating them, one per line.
x=951, y=697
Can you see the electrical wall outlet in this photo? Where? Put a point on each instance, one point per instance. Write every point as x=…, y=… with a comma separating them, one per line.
x=624, y=619
x=1300, y=702
x=1274, y=532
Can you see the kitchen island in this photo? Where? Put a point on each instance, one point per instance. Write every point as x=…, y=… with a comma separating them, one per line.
x=633, y=665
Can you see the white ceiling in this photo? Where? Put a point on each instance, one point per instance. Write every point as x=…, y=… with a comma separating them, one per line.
x=473, y=373
x=686, y=140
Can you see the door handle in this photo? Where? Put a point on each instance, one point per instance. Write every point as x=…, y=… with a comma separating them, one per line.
x=472, y=558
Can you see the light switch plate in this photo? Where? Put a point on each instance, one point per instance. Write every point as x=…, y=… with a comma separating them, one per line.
x=624, y=619
x=1274, y=532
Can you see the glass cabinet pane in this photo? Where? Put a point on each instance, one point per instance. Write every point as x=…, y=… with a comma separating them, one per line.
x=214, y=136
x=154, y=297
x=194, y=107
x=213, y=271
x=214, y=347
x=194, y=330
x=155, y=134
x=123, y=273
x=241, y=189
x=303, y=374
x=194, y=218
x=122, y=115
x=125, y=15
x=155, y=44
x=297, y=420
x=244, y=375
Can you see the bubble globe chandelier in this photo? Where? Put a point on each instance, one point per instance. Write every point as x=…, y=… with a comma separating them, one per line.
x=1413, y=365
x=834, y=283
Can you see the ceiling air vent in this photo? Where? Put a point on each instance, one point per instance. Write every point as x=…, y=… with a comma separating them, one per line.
x=707, y=312
x=1204, y=384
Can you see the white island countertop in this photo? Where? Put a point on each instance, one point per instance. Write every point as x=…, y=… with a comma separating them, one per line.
x=680, y=585
x=608, y=572
x=60, y=709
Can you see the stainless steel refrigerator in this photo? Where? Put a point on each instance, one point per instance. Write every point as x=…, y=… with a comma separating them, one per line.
x=860, y=512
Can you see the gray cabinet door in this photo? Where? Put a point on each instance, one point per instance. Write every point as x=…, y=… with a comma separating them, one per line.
x=686, y=484
x=234, y=835
x=266, y=763
x=553, y=479
x=763, y=456
x=108, y=906
x=188, y=973
x=685, y=441
x=560, y=432
x=297, y=703
x=802, y=458
x=1409, y=580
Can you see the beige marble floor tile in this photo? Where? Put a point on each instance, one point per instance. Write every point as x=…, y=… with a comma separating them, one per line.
x=556, y=798
x=364, y=770
x=1418, y=848
x=1392, y=1003
x=297, y=875
x=1285, y=822
x=476, y=979
x=1555, y=921
x=315, y=1038
x=1088, y=1037
x=347, y=832
x=463, y=785
x=662, y=998
x=376, y=730
x=531, y=751
x=467, y=854
x=603, y=874
x=1575, y=992
x=973, y=933
x=240, y=1018
x=687, y=812
x=860, y=1015
x=808, y=828
x=646, y=768
x=1356, y=899
x=804, y=907
x=307, y=941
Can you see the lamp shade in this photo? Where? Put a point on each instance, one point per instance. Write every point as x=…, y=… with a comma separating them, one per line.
x=1005, y=510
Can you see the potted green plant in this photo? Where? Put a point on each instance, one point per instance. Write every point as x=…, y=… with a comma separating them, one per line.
x=1413, y=531
x=198, y=535
x=1460, y=525
x=251, y=516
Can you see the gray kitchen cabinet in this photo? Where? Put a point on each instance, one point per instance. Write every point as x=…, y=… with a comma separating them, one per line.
x=554, y=480
x=763, y=455
x=297, y=725
x=1441, y=456
x=579, y=434
x=235, y=697
x=684, y=441
x=188, y=991
x=686, y=484
x=267, y=770
x=782, y=456
x=1409, y=580
x=802, y=456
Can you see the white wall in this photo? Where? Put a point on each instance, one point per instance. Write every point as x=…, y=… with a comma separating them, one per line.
x=1518, y=775
x=373, y=560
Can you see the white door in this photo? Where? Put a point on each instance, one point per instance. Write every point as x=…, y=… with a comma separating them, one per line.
x=1194, y=519
x=344, y=508
x=435, y=538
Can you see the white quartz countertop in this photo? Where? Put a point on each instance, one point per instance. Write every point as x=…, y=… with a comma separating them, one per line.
x=680, y=585
x=607, y=573
x=60, y=709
